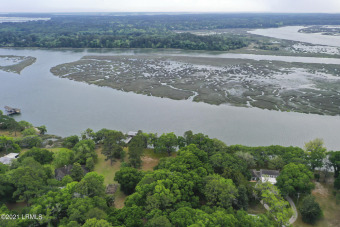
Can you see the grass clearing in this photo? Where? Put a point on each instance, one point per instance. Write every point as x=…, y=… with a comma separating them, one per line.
x=150, y=160
x=331, y=210
x=105, y=168
x=256, y=208
x=10, y=133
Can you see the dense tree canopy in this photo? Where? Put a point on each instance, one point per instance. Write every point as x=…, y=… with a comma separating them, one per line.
x=295, y=178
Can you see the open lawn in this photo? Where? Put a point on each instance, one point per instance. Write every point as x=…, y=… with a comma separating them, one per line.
x=105, y=168
x=331, y=210
x=9, y=133
x=256, y=208
x=150, y=160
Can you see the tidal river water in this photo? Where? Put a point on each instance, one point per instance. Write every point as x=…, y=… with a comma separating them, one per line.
x=67, y=107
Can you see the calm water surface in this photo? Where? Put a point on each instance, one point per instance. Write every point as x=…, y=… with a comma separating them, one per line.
x=292, y=33
x=67, y=107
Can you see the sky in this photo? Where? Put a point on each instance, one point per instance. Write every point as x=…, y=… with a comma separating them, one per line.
x=295, y=6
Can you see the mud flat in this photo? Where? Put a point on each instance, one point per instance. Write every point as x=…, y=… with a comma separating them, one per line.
x=15, y=64
x=273, y=85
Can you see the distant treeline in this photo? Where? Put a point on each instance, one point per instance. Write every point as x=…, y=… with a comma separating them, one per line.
x=146, y=31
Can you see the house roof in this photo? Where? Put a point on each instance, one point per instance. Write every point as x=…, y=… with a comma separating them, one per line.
x=130, y=133
x=7, y=159
x=66, y=170
x=270, y=172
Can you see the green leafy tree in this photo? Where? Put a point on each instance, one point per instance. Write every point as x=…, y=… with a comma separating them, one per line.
x=79, y=208
x=84, y=149
x=242, y=200
x=219, y=191
x=159, y=221
x=42, y=156
x=42, y=129
x=93, y=222
x=77, y=172
x=316, y=152
x=310, y=210
x=247, y=157
x=128, y=178
x=113, y=146
x=63, y=157
x=25, y=124
x=91, y=185
x=66, y=180
x=29, y=178
x=337, y=183
x=29, y=132
x=88, y=134
x=90, y=164
x=166, y=143
x=70, y=142
x=30, y=141
x=334, y=158
x=295, y=178
x=278, y=208
x=276, y=162
x=136, y=148
x=8, y=145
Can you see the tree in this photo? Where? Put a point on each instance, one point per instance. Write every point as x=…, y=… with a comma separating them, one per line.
x=278, y=208
x=25, y=124
x=219, y=191
x=242, y=200
x=70, y=142
x=334, y=158
x=28, y=178
x=159, y=221
x=42, y=156
x=77, y=172
x=29, y=132
x=8, y=145
x=84, y=149
x=166, y=143
x=91, y=185
x=30, y=141
x=94, y=222
x=90, y=164
x=136, y=148
x=247, y=157
x=276, y=163
x=113, y=146
x=316, y=151
x=87, y=134
x=295, y=178
x=128, y=178
x=310, y=210
x=42, y=129
x=337, y=183
x=63, y=157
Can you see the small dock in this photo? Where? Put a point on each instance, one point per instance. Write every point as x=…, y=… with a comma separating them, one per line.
x=11, y=111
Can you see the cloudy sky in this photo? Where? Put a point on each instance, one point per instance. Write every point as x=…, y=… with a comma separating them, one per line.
x=306, y=6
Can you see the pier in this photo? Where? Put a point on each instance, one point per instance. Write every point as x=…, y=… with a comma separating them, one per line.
x=11, y=111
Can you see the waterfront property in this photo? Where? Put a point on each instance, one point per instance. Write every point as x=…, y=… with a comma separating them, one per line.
x=264, y=175
x=130, y=135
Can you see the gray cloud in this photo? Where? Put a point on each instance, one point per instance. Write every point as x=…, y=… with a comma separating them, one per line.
x=329, y=6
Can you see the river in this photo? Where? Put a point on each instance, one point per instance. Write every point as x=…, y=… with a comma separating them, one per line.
x=67, y=107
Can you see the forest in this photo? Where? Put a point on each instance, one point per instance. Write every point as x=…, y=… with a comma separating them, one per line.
x=199, y=181
x=145, y=31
